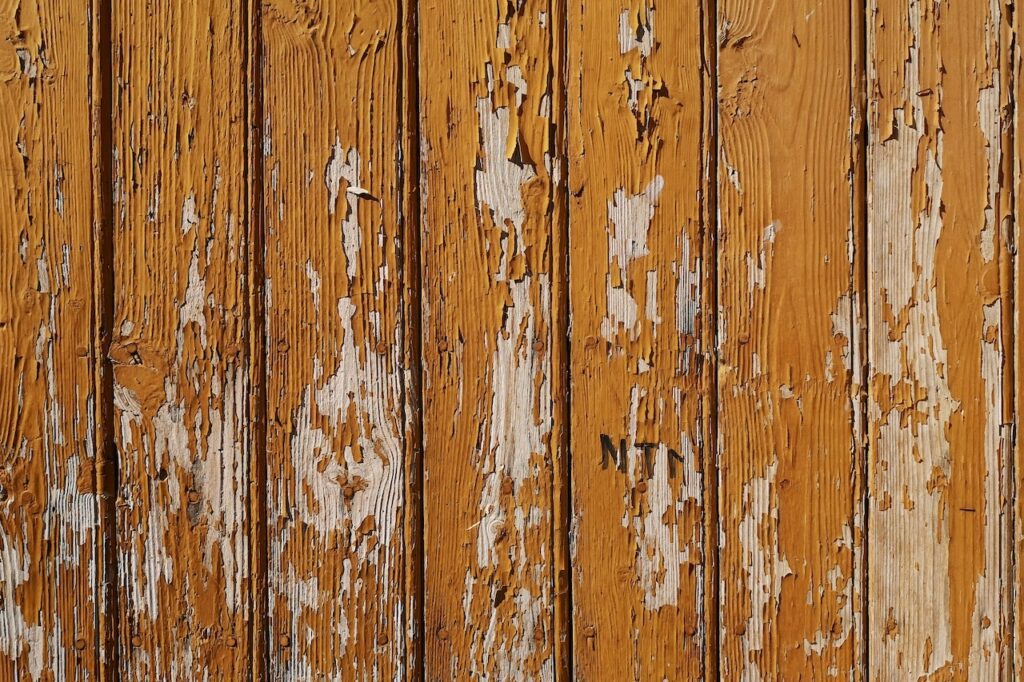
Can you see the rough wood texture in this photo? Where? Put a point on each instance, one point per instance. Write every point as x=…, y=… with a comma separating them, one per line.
x=338, y=425
x=180, y=347
x=939, y=540
x=489, y=181
x=789, y=374
x=641, y=338
x=48, y=395
x=307, y=308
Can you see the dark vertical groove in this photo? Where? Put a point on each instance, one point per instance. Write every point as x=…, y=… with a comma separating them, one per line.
x=412, y=388
x=859, y=333
x=709, y=213
x=1011, y=165
x=561, y=348
x=256, y=317
x=107, y=607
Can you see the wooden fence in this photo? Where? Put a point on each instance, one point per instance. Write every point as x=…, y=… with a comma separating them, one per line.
x=510, y=340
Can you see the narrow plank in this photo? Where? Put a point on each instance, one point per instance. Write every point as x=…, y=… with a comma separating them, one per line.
x=489, y=177
x=640, y=93
x=49, y=521
x=180, y=350
x=938, y=536
x=338, y=430
x=789, y=375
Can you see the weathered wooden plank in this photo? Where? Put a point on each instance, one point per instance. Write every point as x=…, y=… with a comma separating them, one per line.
x=49, y=520
x=338, y=425
x=938, y=535
x=489, y=180
x=640, y=94
x=181, y=351
x=789, y=378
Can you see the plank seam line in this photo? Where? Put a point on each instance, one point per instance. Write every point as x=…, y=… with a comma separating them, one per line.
x=256, y=330
x=710, y=216
x=106, y=615
x=561, y=469
x=409, y=171
x=859, y=142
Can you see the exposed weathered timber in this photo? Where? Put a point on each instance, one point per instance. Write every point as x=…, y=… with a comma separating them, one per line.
x=642, y=331
x=49, y=521
x=181, y=351
x=938, y=542
x=490, y=176
x=788, y=340
x=338, y=427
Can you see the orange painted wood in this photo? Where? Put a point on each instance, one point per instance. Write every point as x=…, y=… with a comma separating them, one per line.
x=788, y=342
x=338, y=379
x=533, y=340
x=642, y=338
x=489, y=183
x=180, y=352
x=939, y=542
x=49, y=395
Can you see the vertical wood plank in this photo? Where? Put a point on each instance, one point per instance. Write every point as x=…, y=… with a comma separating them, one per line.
x=48, y=395
x=939, y=539
x=489, y=180
x=642, y=334
x=181, y=350
x=789, y=374
x=337, y=376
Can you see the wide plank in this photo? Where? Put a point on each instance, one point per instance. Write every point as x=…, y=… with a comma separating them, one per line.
x=338, y=424
x=939, y=539
x=181, y=346
x=490, y=178
x=641, y=279
x=789, y=341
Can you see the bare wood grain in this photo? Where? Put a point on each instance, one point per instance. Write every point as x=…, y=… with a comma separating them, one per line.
x=49, y=519
x=789, y=378
x=182, y=371
x=337, y=373
x=489, y=178
x=939, y=539
x=642, y=334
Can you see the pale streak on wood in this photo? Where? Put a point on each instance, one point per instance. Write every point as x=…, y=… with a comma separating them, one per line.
x=788, y=343
x=489, y=176
x=640, y=375
x=180, y=353
x=938, y=537
x=49, y=566
x=337, y=374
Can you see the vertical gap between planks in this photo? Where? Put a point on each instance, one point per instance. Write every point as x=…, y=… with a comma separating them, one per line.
x=859, y=318
x=561, y=351
x=412, y=387
x=709, y=213
x=106, y=464
x=256, y=325
x=1010, y=167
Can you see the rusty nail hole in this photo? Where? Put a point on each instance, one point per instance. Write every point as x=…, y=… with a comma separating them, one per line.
x=507, y=487
x=284, y=641
x=136, y=641
x=79, y=643
x=232, y=642
x=590, y=632
x=382, y=639
x=642, y=486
